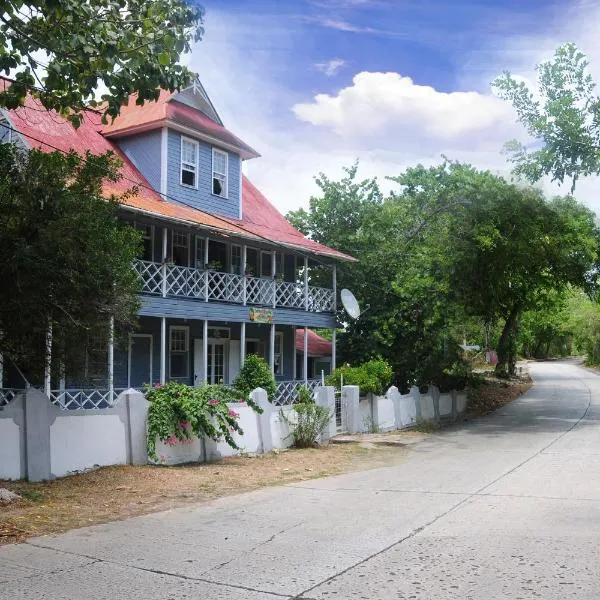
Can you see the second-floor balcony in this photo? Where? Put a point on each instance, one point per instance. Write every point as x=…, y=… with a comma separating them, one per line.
x=170, y=280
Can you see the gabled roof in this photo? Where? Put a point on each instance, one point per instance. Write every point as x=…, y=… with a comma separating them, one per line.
x=317, y=345
x=260, y=221
x=174, y=109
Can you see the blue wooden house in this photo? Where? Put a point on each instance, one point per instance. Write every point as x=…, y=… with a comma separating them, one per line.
x=223, y=274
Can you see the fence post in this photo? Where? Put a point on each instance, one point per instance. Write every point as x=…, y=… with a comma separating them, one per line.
x=264, y=420
x=37, y=435
x=326, y=399
x=350, y=398
x=394, y=395
x=416, y=396
x=137, y=412
x=434, y=392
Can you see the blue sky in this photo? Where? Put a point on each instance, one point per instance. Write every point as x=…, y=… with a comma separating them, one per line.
x=316, y=84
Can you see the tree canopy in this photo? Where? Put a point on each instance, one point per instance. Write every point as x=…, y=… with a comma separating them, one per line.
x=65, y=259
x=562, y=114
x=454, y=252
x=66, y=51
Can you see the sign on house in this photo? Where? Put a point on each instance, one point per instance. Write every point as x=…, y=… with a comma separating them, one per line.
x=261, y=315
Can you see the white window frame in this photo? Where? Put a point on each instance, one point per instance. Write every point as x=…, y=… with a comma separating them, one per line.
x=186, y=329
x=174, y=233
x=226, y=331
x=182, y=163
x=225, y=195
x=278, y=335
x=139, y=226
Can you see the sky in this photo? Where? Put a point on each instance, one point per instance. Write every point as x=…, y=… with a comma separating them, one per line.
x=314, y=85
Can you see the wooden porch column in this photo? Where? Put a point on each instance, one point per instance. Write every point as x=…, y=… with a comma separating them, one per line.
x=164, y=261
x=334, y=288
x=48, y=361
x=273, y=272
x=242, y=344
x=305, y=283
x=272, y=349
x=206, y=269
x=244, y=260
x=111, y=357
x=295, y=368
x=205, y=349
x=333, y=348
x=163, y=351
x=305, y=357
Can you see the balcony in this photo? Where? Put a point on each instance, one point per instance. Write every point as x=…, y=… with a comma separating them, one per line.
x=213, y=286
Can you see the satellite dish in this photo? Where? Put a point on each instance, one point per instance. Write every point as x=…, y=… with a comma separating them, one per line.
x=350, y=303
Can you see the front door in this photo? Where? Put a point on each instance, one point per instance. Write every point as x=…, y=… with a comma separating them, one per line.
x=140, y=360
x=216, y=362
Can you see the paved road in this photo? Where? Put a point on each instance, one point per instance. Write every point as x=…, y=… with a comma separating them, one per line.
x=506, y=507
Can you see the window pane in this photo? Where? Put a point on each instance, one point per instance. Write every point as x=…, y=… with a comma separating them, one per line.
x=188, y=152
x=179, y=364
x=219, y=185
x=220, y=163
x=179, y=340
x=265, y=264
x=188, y=177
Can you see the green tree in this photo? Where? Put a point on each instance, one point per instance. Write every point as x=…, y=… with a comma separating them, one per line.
x=65, y=51
x=562, y=115
x=65, y=259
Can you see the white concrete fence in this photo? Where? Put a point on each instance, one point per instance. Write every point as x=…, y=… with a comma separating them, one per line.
x=39, y=440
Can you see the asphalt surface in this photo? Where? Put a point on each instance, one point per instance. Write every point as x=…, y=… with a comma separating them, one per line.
x=504, y=507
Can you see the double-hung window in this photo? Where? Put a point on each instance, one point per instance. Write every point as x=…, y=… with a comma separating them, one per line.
x=179, y=348
x=219, y=176
x=189, y=162
x=278, y=352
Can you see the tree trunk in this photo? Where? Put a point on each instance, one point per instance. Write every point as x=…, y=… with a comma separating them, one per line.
x=507, y=346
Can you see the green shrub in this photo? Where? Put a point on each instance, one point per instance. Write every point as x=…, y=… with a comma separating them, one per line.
x=255, y=374
x=310, y=419
x=179, y=413
x=372, y=377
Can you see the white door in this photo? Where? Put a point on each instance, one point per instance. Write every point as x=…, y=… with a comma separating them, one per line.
x=198, y=362
x=216, y=362
x=234, y=360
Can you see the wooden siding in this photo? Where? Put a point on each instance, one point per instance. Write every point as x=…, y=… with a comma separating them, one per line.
x=203, y=198
x=180, y=308
x=143, y=150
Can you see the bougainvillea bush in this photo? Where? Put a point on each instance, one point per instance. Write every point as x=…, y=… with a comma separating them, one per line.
x=179, y=413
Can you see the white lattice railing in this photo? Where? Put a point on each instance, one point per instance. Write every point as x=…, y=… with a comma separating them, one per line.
x=185, y=281
x=90, y=399
x=320, y=299
x=189, y=282
x=7, y=395
x=151, y=275
x=260, y=291
x=225, y=286
x=290, y=295
x=287, y=391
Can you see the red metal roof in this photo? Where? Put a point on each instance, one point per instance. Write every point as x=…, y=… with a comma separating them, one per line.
x=317, y=345
x=260, y=219
x=168, y=111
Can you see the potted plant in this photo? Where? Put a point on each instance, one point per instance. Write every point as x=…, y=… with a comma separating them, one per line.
x=214, y=265
x=249, y=271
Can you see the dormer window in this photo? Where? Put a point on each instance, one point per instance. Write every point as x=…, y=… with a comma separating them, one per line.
x=189, y=162
x=219, y=177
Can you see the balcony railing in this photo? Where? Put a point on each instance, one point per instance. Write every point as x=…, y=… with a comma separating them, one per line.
x=200, y=284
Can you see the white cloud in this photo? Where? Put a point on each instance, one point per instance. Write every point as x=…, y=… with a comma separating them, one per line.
x=392, y=111
x=330, y=67
x=386, y=120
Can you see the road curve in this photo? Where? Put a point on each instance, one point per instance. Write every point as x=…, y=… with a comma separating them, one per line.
x=504, y=507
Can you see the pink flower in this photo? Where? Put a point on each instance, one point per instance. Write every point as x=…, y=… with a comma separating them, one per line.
x=157, y=385
x=232, y=413
x=184, y=425
x=242, y=401
x=213, y=402
x=171, y=440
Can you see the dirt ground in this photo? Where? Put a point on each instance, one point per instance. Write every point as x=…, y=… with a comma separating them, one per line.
x=114, y=493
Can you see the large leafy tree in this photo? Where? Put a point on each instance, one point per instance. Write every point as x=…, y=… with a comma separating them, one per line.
x=65, y=51
x=562, y=115
x=65, y=259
